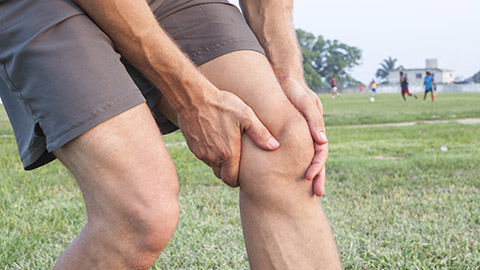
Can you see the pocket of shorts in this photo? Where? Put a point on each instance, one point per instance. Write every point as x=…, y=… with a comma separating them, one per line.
x=5, y=77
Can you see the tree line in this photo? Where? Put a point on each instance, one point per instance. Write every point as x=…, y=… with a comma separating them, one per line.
x=324, y=58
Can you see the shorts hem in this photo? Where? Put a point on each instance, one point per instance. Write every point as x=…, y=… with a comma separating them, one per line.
x=37, y=157
x=41, y=153
x=214, y=50
x=101, y=114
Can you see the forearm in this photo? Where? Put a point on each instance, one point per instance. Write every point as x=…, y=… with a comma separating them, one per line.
x=271, y=21
x=138, y=37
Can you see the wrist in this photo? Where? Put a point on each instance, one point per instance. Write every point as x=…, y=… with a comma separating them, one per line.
x=293, y=83
x=195, y=99
x=187, y=90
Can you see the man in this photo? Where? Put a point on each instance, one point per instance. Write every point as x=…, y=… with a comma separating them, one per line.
x=373, y=87
x=404, y=86
x=428, y=82
x=242, y=105
x=333, y=85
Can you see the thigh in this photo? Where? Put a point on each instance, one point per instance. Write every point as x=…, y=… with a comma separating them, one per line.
x=249, y=75
x=122, y=166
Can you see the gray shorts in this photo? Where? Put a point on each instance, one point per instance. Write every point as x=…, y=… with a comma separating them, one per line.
x=61, y=76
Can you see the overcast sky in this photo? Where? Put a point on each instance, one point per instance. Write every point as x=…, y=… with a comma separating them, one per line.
x=409, y=30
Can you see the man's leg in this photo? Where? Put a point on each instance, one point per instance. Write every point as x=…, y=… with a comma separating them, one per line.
x=410, y=94
x=415, y=96
x=130, y=188
x=284, y=225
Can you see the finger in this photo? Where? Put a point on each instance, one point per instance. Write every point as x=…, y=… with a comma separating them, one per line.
x=320, y=123
x=318, y=161
x=319, y=183
x=314, y=116
x=313, y=170
x=229, y=172
x=259, y=133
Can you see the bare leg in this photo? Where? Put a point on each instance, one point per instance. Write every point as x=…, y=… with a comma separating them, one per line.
x=284, y=225
x=130, y=188
x=410, y=94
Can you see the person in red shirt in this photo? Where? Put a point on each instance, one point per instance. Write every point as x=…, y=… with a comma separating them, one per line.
x=404, y=85
x=333, y=84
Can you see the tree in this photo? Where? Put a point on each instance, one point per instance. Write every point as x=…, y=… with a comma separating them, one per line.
x=387, y=65
x=476, y=77
x=312, y=76
x=323, y=59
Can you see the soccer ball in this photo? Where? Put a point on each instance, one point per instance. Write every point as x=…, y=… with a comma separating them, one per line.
x=372, y=99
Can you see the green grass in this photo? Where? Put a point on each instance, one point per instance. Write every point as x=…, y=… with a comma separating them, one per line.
x=394, y=199
x=399, y=202
x=390, y=108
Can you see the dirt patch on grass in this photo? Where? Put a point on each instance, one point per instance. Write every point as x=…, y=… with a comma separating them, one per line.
x=465, y=121
x=388, y=158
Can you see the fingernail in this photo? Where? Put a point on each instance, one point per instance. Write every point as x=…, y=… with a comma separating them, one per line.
x=273, y=143
x=323, y=136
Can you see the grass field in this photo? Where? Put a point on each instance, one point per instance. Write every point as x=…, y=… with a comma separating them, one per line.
x=395, y=201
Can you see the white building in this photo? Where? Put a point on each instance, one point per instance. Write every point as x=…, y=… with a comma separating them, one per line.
x=417, y=75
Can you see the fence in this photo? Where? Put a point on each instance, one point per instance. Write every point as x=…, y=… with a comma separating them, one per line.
x=389, y=89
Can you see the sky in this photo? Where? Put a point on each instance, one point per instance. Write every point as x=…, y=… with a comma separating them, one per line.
x=409, y=30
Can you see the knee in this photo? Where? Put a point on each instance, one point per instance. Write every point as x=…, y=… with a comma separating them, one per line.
x=155, y=223
x=275, y=172
x=141, y=226
x=152, y=224
x=150, y=231
x=297, y=148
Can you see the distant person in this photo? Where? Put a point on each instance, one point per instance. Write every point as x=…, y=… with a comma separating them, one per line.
x=428, y=83
x=404, y=85
x=373, y=87
x=360, y=87
x=333, y=85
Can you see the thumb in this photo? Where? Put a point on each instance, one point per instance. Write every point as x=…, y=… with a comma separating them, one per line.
x=259, y=133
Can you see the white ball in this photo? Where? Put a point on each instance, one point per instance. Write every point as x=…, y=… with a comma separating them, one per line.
x=372, y=99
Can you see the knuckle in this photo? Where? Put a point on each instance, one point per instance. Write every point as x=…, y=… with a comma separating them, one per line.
x=319, y=103
x=305, y=102
x=230, y=180
x=216, y=171
x=225, y=155
x=245, y=113
x=207, y=157
x=263, y=133
x=229, y=175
